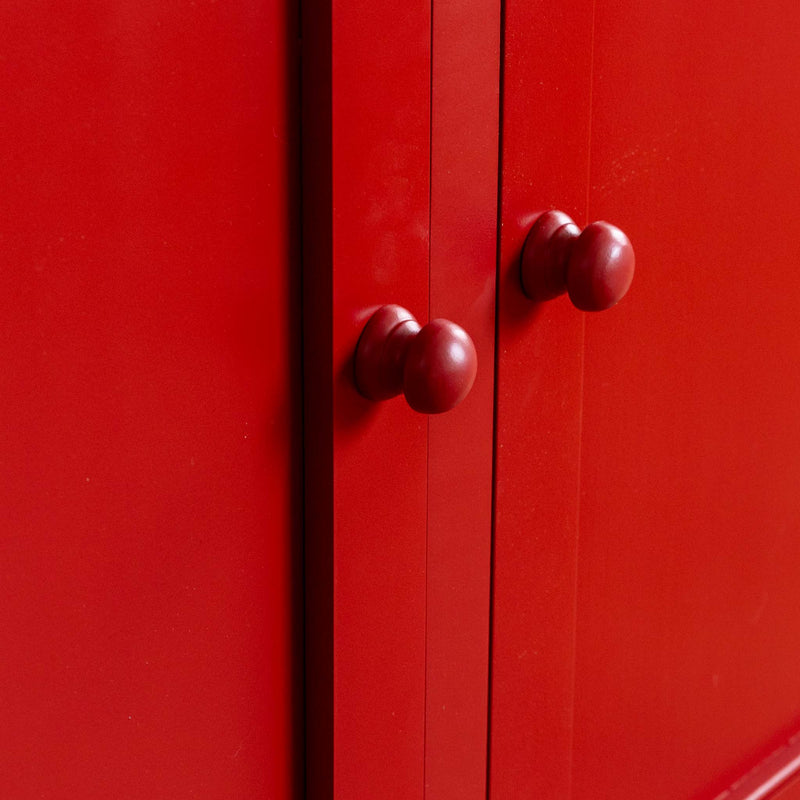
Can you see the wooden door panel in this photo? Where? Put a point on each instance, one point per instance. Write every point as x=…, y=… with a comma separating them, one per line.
x=688, y=629
x=686, y=632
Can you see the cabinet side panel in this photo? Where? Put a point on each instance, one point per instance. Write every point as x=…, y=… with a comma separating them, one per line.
x=148, y=424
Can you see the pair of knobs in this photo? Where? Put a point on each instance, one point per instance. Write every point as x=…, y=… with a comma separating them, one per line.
x=435, y=365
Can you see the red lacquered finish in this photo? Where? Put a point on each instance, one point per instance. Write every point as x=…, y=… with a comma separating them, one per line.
x=433, y=366
x=789, y=791
x=149, y=397
x=594, y=265
x=655, y=627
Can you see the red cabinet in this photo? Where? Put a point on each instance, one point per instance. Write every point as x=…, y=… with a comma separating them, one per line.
x=580, y=583
x=638, y=622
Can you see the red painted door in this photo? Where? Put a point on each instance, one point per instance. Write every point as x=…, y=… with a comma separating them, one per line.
x=646, y=637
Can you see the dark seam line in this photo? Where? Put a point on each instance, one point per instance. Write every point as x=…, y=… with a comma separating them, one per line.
x=427, y=422
x=498, y=284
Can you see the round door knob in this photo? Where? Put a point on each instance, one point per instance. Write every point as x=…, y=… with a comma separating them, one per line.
x=433, y=366
x=595, y=265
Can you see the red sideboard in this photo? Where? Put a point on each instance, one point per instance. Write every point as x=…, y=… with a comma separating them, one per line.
x=226, y=573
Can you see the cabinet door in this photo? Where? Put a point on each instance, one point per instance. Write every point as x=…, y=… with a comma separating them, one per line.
x=646, y=634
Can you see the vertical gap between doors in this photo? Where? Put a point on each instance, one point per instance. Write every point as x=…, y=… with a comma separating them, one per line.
x=294, y=65
x=428, y=419
x=501, y=95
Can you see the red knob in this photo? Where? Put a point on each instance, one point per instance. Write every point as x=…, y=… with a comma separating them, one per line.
x=433, y=366
x=594, y=265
